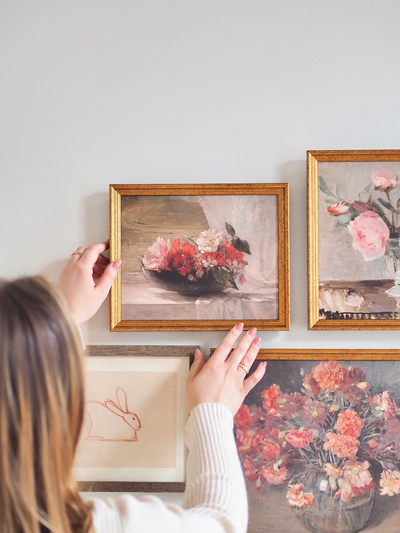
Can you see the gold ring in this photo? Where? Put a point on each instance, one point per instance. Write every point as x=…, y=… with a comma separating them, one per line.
x=243, y=367
x=77, y=253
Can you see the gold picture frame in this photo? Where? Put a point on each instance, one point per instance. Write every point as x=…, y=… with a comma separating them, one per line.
x=251, y=286
x=370, y=372
x=353, y=239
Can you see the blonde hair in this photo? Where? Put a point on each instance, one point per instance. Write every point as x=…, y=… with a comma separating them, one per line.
x=41, y=411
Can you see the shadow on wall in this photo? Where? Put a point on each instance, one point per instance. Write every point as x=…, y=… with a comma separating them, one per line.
x=53, y=271
x=295, y=173
x=97, y=227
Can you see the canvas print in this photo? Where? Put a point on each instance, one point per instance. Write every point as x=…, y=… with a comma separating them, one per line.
x=357, y=237
x=134, y=416
x=200, y=257
x=319, y=442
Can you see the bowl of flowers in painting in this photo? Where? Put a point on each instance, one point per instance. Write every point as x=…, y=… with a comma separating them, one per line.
x=332, y=445
x=209, y=262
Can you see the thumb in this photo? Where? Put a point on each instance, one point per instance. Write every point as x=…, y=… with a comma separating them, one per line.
x=197, y=364
x=106, y=279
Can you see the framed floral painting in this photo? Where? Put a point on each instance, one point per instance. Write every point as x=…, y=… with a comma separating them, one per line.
x=354, y=239
x=132, y=438
x=200, y=257
x=319, y=442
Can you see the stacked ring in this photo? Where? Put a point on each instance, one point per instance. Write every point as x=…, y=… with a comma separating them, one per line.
x=243, y=367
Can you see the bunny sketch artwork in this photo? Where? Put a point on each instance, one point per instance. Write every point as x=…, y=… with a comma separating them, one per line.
x=111, y=421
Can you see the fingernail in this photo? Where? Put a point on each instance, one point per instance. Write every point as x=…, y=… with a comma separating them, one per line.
x=257, y=341
x=117, y=264
x=197, y=353
x=240, y=326
x=253, y=332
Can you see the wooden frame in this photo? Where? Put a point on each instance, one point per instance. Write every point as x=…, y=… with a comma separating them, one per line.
x=268, y=504
x=158, y=371
x=264, y=302
x=350, y=237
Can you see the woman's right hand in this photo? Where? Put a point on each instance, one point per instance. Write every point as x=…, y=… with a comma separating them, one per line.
x=221, y=379
x=86, y=280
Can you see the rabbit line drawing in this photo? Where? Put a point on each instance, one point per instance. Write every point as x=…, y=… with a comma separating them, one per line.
x=110, y=421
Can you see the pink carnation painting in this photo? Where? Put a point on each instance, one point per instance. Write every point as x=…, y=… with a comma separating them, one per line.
x=327, y=455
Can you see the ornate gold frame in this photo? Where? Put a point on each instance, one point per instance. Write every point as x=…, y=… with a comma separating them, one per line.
x=329, y=354
x=281, y=190
x=313, y=158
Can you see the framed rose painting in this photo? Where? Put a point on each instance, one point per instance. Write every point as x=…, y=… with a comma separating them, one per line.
x=319, y=442
x=200, y=257
x=354, y=239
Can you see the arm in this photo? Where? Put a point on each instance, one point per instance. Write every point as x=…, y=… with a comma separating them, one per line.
x=215, y=499
x=215, y=391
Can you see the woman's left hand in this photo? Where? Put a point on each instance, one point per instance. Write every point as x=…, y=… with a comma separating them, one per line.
x=222, y=378
x=77, y=280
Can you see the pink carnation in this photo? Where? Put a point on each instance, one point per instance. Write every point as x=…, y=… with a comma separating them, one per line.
x=329, y=375
x=349, y=423
x=385, y=403
x=390, y=482
x=274, y=474
x=357, y=474
x=370, y=234
x=298, y=497
x=299, y=438
x=243, y=417
x=343, y=446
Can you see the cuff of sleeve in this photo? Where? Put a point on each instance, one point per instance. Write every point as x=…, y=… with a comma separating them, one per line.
x=210, y=429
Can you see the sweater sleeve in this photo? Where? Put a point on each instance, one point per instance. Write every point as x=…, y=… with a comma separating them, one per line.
x=215, y=499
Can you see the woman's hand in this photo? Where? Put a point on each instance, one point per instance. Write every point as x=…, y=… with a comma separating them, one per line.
x=77, y=280
x=221, y=379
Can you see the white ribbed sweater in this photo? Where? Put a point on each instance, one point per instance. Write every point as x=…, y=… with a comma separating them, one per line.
x=215, y=498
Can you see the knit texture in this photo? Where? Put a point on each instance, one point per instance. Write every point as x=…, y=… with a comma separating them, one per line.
x=215, y=498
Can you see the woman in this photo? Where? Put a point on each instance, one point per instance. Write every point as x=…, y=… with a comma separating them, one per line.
x=41, y=411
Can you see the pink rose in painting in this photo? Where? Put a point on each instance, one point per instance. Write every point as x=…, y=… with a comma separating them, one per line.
x=158, y=255
x=383, y=181
x=338, y=209
x=370, y=234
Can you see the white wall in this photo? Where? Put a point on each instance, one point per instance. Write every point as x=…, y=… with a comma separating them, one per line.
x=94, y=92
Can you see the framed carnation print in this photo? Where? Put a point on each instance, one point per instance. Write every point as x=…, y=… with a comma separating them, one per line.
x=132, y=438
x=200, y=257
x=319, y=442
x=354, y=239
